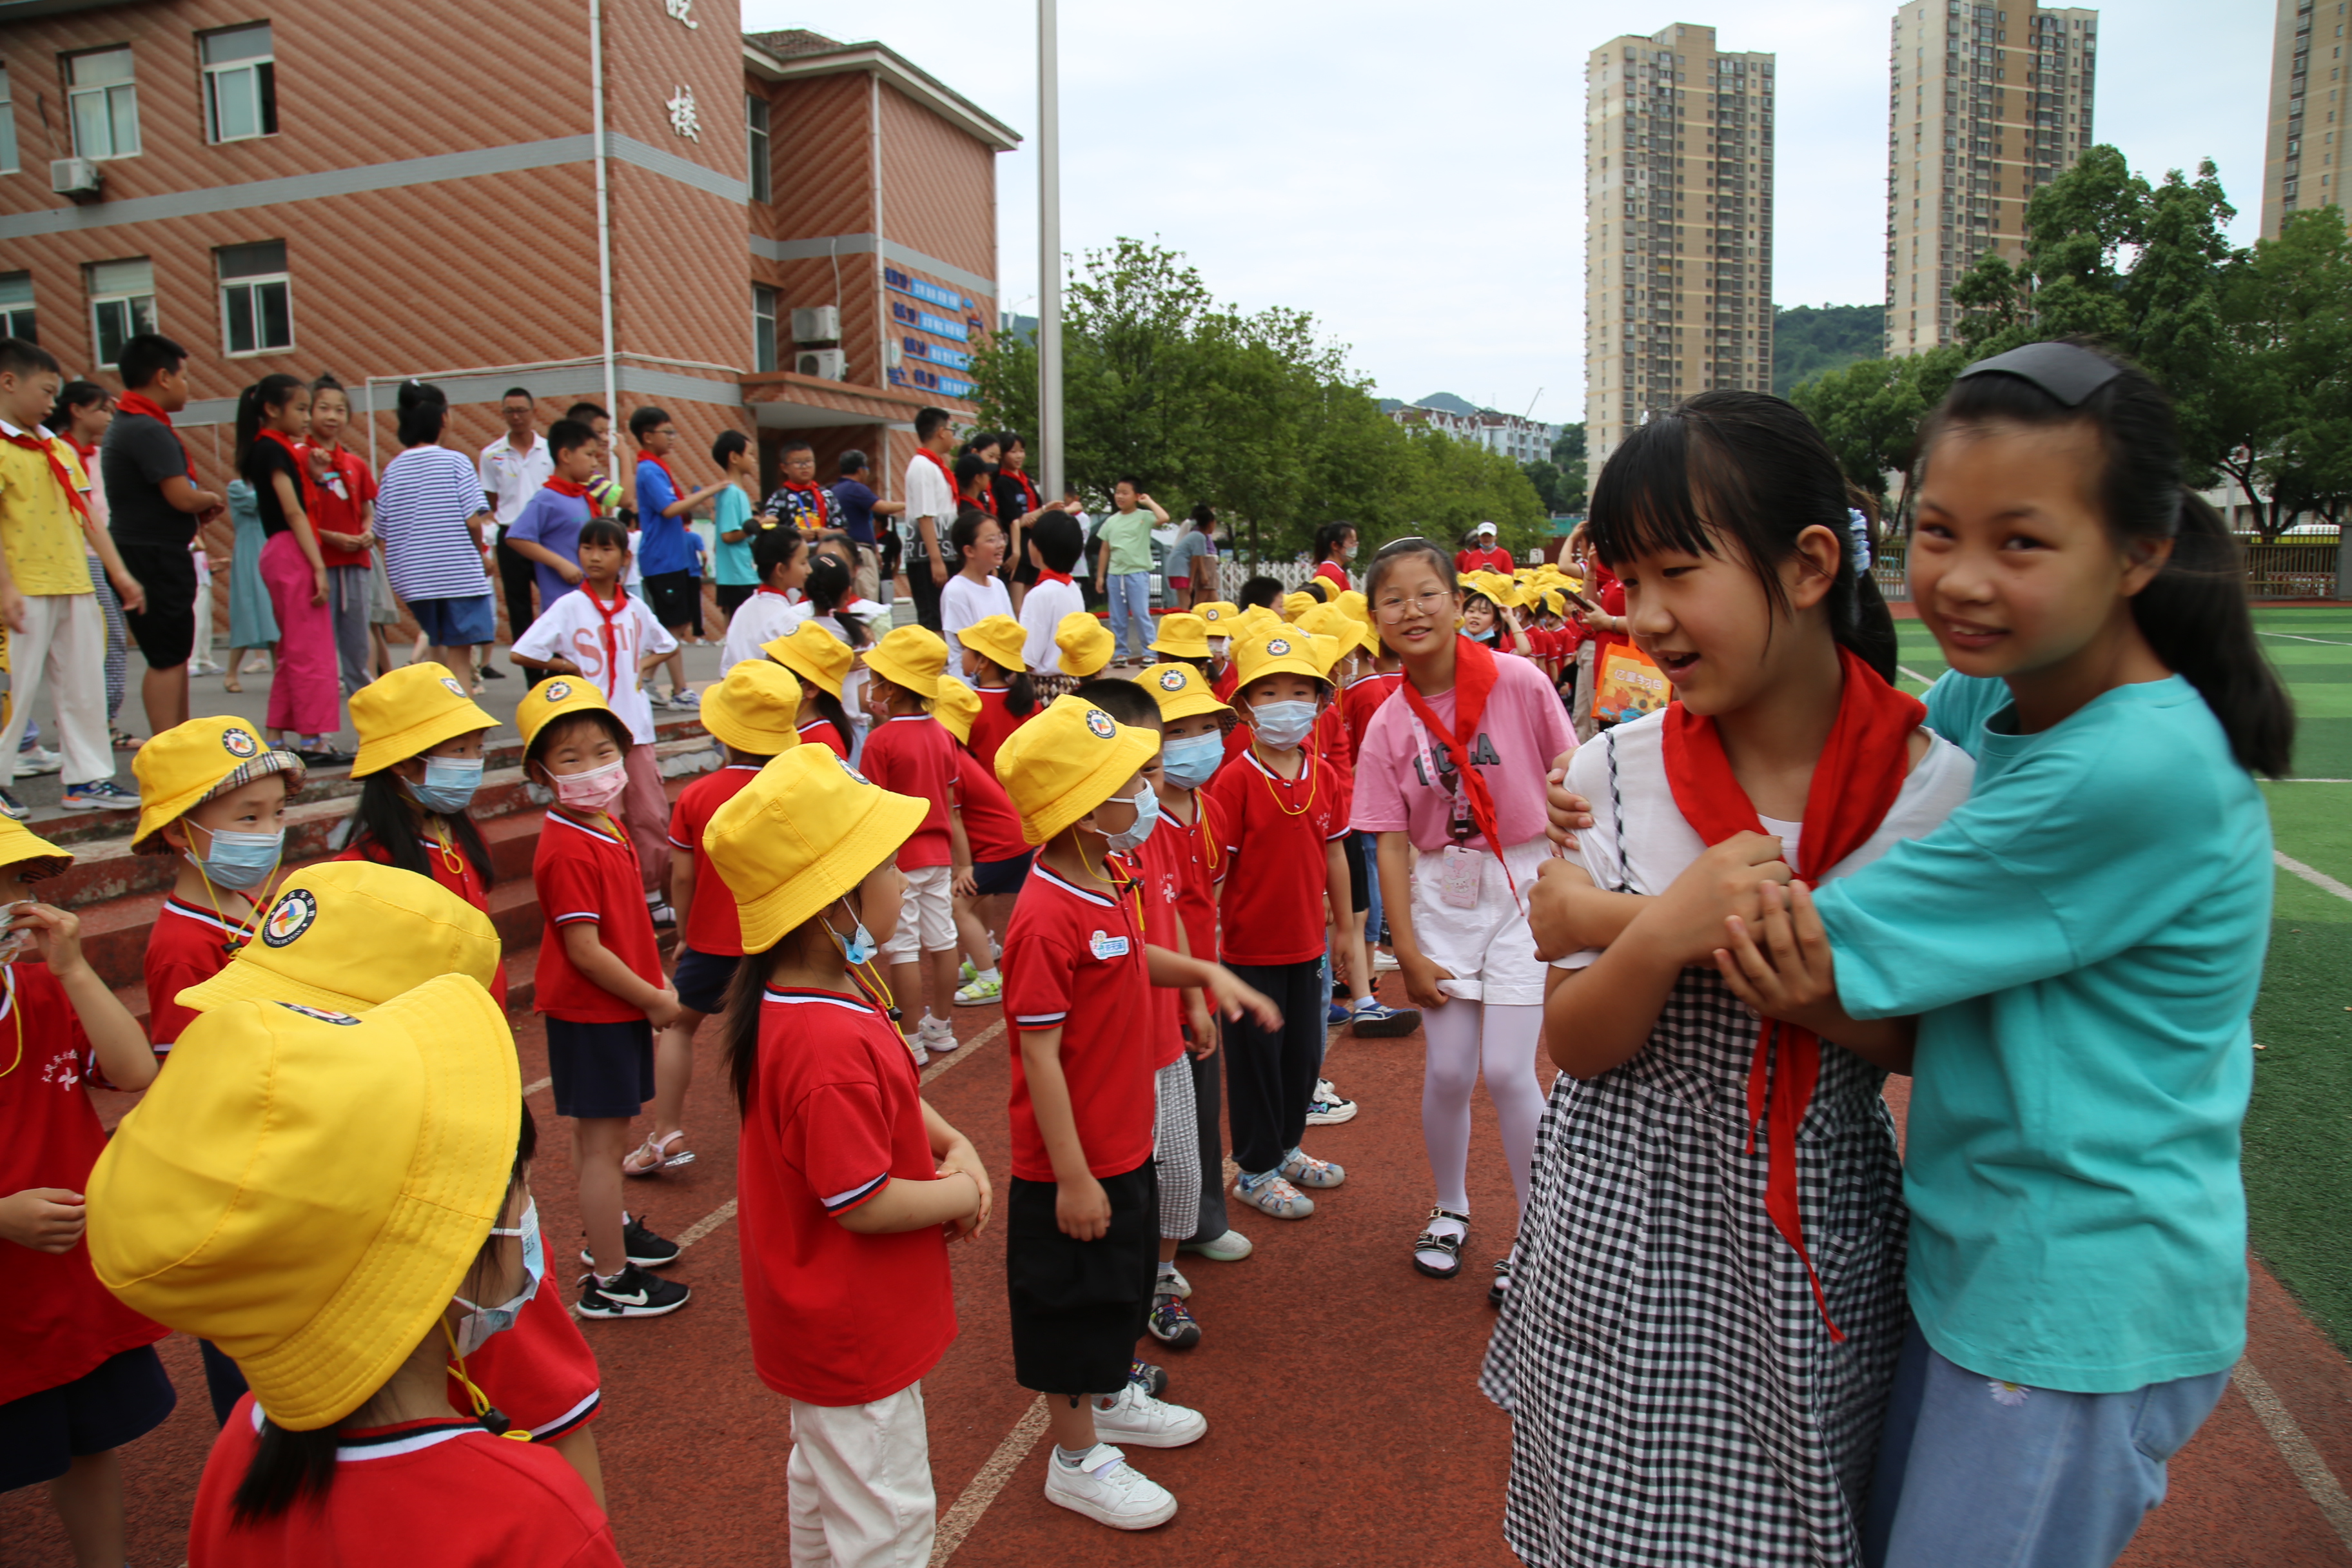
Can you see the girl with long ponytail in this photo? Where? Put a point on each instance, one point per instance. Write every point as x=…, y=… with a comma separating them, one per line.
x=305, y=696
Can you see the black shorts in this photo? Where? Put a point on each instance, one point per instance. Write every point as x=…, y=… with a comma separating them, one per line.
x=991, y=876
x=670, y=595
x=733, y=596
x=702, y=978
x=1078, y=1307
x=120, y=1400
x=165, y=630
x=600, y=1069
x=1359, y=874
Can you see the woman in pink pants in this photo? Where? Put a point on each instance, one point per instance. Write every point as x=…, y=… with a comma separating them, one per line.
x=305, y=695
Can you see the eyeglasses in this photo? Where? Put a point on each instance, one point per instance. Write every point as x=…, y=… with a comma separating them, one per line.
x=1396, y=609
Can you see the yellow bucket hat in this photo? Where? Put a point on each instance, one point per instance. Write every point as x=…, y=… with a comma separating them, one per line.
x=912, y=657
x=955, y=708
x=805, y=831
x=349, y=935
x=999, y=639
x=1068, y=761
x=1297, y=605
x=1219, y=616
x=1085, y=645
x=30, y=855
x=813, y=654
x=1288, y=652
x=1182, y=636
x=1181, y=691
x=407, y=713
x=1358, y=607
x=756, y=708
x=1259, y=620
x=560, y=697
x=307, y=1189
x=189, y=764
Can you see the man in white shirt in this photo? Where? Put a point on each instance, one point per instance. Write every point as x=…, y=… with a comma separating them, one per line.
x=513, y=469
x=931, y=509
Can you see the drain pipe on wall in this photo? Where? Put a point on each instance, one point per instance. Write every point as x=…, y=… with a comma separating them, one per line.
x=604, y=200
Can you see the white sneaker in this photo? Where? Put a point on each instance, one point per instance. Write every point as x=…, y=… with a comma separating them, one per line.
x=938, y=1037
x=1271, y=1194
x=1306, y=1171
x=1107, y=1489
x=32, y=759
x=914, y=1044
x=1134, y=1416
x=1384, y=962
x=1179, y=1286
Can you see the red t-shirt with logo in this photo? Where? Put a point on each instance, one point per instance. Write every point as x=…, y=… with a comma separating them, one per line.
x=1074, y=962
x=913, y=755
x=453, y=870
x=1493, y=558
x=991, y=825
x=821, y=732
x=713, y=925
x=1158, y=867
x=836, y=1113
x=61, y=1323
x=339, y=502
x=586, y=875
x=187, y=945
x=1276, y=829
x=442, y=1492
x=1203, y=847
x=1362, y=701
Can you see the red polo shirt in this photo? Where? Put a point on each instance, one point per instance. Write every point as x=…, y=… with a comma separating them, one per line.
x=1158, y=869
x=541, y=1372
x=995, y=725
x=588, y=876
x=836, y=1112
x=187, y=945
x=1074, y=962
x=913, y=755
x=712, y=925
x=339, y=503
x=989, y=824
x=821, y=732
x=1362, y=701
x=1203, y=847
x=451, y=870
x=1276, y=830
x=1493, y=558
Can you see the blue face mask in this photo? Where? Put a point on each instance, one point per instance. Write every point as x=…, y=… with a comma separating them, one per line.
x=1192, y=760
x=480, y=1322
x=1147, y=817
x=240, y=861
x=1284, y=725
x=449, y=783
x=859, y=948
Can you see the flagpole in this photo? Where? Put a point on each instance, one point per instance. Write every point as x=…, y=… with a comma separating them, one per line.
x=1049, y=251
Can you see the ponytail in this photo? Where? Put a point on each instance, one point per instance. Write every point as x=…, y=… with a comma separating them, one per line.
x=1019, y=690
x=2194, y=616
x=739, y=1024
x=835, y=714
x=270, y=392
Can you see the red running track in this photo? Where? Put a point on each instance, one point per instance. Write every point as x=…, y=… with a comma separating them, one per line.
x=1345, y=1425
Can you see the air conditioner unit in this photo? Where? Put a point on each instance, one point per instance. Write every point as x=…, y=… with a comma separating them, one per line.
x=817, y=324
x=825, y=364
x=74, y=176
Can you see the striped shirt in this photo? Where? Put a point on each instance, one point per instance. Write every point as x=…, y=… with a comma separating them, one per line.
x=421, y=506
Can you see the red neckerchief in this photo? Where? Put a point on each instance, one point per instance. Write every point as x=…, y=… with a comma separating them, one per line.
x=819, y=497
x=294, y=454
x=139, y=403
x=1855, y=783
x=941, y=465
x=1047, y=575
x=1474, y=678
x=84, y=453
x=564, y=487
x=48, y=448
x=678, y=491
x=1028, y=490
x=606, y=617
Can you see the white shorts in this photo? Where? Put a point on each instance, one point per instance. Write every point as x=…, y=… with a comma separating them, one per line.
x=858, y=1483
x=1488, y=949
x=927, y=916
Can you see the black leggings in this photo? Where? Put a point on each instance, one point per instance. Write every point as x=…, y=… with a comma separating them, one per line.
x=1270, y=1073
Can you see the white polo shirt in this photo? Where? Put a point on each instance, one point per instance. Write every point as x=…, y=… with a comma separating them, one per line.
x=928, y=494
x=513, y=476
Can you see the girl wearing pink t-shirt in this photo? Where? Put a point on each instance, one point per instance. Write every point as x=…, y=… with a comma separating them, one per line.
x=1453, y=766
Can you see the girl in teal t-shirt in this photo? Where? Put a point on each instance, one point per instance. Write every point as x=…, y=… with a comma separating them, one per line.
x=2080, y=945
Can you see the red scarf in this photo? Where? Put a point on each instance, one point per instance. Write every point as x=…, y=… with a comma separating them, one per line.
x=139, y=403
x=1047, y=575
x=819, y=497
x=1028, y=491
x=564, y=487
x=941, y=464
x=58, y=469
x=302, y=469
x=678, y=491
x=1860, y=773
x=604, y=630
x=1474, y=678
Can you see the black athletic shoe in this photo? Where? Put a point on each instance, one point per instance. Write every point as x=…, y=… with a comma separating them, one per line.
x=633, y=1293
x=1152, y=1380
x=640, y=1246
x=492, y=672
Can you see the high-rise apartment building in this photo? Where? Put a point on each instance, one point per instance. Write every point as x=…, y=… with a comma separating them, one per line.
x=2300, y=170
x=1678, y=226
x=1988, y=102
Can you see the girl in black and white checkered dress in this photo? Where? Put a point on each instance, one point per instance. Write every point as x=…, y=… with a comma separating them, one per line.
x=1699, y=1340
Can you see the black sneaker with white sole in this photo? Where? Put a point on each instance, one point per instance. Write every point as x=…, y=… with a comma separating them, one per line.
x=630, y=1293
x=640, y=1246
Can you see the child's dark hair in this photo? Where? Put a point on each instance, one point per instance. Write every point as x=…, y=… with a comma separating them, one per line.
x=1748, y=469
x=1264, y=591
x=289, y=1466
x=328, y=380
x=23, y=356
x=965, y=531
x=1330, y=538
x=587, y=413
x=1058, y=539
x=421, y=419
x=829, y=588
x=1124, y=700
x=603, y=531
x=739, y=1024
x=388, y=817
x=1398, y=552
x=784, y=450
x=72, y=396
x=271, y=391
x=1020, y=689
x=970, y=465
x=571, y=435
x=1204, y=518
x=775, y=547
x=728, y=443
x=2193, y=613
x=563, y=724
x=147, y=356
x=645, y=419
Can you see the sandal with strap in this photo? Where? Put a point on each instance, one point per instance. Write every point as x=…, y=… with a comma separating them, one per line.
x=1502, y=1285
x=654, y=1157
x=1430, y=1241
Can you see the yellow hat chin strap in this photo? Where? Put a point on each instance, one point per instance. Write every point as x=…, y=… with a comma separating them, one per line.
x=493, y=1419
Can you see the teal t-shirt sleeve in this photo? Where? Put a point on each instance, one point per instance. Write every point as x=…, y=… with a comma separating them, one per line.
x=733, y=509
x=1958, y=705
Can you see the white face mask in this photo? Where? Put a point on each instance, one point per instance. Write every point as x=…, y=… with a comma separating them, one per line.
x=479, y=1323
x=1284, y=725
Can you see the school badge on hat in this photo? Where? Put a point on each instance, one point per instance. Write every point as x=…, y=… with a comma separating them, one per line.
x=1278, y=647
x=554, y=691
x=240, y=743
x=289, y=917
x=1099, y=724
x=450, y=682
x=1171, y=679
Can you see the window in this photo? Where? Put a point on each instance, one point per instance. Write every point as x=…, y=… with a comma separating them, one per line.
x=122, y=305
x=755, y=136
x=104, y=103
x=240, y=84
x=763, y=327
x=7, y=126
x=257, y=300
x=17, y=307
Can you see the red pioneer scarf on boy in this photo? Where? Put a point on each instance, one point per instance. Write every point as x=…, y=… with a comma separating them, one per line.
x=58, y=469
x=606, y=615
x=564, y=487
x=139, y=403
x=941, y=464
x=1855, y=783
x=1474, y=678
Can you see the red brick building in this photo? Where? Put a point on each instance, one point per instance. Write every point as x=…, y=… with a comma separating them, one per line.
x=802, y=232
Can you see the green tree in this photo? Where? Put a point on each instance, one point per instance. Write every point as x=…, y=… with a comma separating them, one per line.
x=1870, y=414
x=2278, y=403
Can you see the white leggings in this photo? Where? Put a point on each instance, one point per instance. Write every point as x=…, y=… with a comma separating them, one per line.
x=1463, y=1037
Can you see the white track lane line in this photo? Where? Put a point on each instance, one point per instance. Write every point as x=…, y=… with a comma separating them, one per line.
x=2293, y=1445
x=2296, y=637
x=1922, y=680
x=2317, y=879
x=981, y=1491
x=530, y=1088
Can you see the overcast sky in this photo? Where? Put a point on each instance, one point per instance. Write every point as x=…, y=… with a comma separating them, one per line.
x=1413, y=174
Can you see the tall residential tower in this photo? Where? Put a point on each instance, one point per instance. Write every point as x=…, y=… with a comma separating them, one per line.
x=2299, y=170
x=1678, y=226
x=1990, y=102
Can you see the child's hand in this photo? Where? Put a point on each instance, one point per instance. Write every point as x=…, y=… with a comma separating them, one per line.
x=1082, y=1209
x=46, y=1219
x=1567, y=814
x=1200, y=1024
x=665, y=1011
x=1233, y=998
x=1788, y=975
x=1686, y=920
x=1420, y=980
x=962, y=1157
x=54, y=935
x=1551, y=908
x=967, y=885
